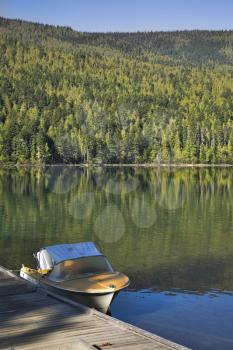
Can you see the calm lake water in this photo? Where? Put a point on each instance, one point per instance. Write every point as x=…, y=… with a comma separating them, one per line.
x=171, y=231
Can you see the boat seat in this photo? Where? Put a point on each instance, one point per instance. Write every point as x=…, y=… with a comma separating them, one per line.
x=68, y=263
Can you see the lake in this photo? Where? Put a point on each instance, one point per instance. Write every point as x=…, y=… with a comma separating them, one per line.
x=170, y=230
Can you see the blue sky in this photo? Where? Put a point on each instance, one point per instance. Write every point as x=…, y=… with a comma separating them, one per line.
x=124, y=15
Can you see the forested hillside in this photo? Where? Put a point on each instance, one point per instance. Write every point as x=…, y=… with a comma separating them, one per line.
x=73, y=97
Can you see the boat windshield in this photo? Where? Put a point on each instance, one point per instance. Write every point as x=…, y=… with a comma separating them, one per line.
x=71, y=269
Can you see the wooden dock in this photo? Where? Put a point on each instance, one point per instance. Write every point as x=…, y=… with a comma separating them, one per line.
x=31, y=319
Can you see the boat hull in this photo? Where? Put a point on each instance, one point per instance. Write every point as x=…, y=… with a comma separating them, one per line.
x=100, y=301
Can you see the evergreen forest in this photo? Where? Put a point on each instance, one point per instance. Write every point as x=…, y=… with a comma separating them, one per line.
x=145, y=97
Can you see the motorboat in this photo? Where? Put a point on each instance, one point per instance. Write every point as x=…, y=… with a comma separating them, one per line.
x=78, y=271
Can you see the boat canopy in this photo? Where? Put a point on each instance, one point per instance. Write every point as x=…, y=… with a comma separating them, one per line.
x=52, y=255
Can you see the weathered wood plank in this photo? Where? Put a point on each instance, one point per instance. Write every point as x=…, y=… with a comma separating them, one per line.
x=31, y=320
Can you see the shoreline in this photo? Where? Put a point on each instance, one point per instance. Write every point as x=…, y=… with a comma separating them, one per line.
x=106, y=165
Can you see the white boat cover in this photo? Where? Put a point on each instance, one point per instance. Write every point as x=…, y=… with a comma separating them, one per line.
x=52, y=255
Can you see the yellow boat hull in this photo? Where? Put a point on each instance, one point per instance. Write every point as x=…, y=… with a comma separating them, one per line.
x=96, y=291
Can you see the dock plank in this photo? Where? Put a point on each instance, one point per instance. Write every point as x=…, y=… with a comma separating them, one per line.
x=30, y=319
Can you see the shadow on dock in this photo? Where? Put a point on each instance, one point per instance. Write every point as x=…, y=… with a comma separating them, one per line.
x=30, y=319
